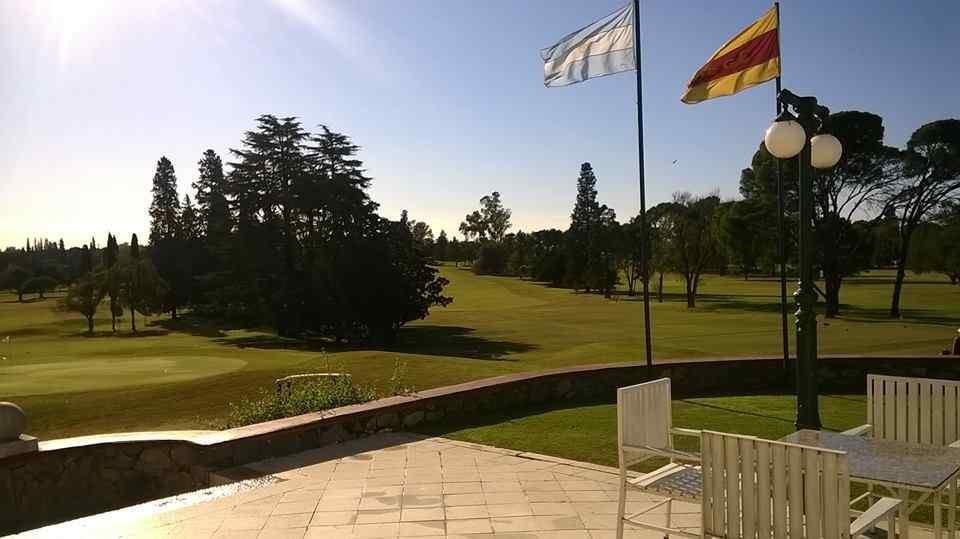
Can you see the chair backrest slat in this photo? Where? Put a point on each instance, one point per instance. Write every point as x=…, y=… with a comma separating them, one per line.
x=758, y=489
x=916, y=410
x=643, y=415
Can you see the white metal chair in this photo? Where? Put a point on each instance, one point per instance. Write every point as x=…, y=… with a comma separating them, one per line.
x=917, y=410
x=757, y=489
x=644, y=431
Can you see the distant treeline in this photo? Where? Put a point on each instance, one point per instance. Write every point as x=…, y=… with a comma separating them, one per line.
x=287, y=237
x=879, y=207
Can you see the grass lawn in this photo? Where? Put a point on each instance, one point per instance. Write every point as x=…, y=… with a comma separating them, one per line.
x=589, y=433
x=181, y=375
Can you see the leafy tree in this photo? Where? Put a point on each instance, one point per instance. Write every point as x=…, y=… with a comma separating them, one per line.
x=739, y=235
x=660, y=221
x=39, y=285
x=85, y=296
x=630, y=253
x=850, y=188
x=16, y=277
x=930, y=177
x=520, y=248
x=692, y=239
x=473, y=226
x=142, y=290
x=936, y=244
x=950, y=241
x=496, y=218
x=491, y=221
x=548, y=257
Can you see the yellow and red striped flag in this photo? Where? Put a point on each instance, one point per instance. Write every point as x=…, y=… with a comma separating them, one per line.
x=749, y=58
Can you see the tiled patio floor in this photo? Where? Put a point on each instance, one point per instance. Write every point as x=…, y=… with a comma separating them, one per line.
x=395, y=485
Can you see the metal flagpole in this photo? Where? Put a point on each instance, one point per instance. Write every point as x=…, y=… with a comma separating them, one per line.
x=781, y=228
x=644, y=233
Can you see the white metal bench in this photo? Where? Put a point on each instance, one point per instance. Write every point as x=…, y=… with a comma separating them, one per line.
x=758, y=489
x=915, y=410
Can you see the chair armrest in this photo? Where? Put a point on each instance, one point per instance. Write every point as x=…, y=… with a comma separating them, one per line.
x=873, y=514
x=859, y=431
x=680, y=431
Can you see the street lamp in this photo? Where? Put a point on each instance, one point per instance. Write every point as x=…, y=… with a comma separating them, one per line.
x=789, y=136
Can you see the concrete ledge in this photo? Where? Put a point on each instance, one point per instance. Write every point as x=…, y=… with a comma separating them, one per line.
x=24, y=444
x=75, y=477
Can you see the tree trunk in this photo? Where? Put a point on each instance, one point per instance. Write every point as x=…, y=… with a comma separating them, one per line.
x=133, y=319
x=173, y=313
x=691, y=294
x=901, y=274
x=20, y=296
x=832, y=292
x=897, y=287
x=90, y=325
x=660, y=289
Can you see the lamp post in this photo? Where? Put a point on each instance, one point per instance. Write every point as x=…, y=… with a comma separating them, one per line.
x=792, y=134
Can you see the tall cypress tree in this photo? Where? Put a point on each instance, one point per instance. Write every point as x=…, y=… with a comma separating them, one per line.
x=110, y=257
x=133, y=277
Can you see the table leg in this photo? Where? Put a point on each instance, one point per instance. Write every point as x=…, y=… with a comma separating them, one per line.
x=952, y=510
x=937, y=514
x=905, y=513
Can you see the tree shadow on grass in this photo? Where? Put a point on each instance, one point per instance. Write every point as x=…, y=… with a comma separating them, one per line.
x=848, y=312
x=120, y=334
x=451, y=341
x=191, y=325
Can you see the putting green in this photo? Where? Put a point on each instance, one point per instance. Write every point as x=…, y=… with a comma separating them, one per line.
x=93, y=374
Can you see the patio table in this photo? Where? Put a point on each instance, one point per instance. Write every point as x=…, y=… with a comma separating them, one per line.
x=903, y=468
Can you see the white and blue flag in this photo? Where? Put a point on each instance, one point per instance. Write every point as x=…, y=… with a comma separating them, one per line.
x=602, y=48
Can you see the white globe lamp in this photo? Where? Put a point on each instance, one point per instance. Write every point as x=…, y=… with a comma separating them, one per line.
x=785, y=138
x=825, y=151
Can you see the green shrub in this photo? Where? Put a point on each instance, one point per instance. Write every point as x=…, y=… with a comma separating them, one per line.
x=324, y=394
x=303, y=399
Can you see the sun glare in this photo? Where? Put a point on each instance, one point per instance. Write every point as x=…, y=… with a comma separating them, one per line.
x=72, y=22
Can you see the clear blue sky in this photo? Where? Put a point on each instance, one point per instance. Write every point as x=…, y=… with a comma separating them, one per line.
x=444, y=96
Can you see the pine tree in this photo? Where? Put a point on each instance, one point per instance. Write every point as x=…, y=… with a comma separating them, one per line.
x=584, y=222
x=165, y=207
x=441, y=247
x=165, y=234
x=212, y=205
x=189, y=223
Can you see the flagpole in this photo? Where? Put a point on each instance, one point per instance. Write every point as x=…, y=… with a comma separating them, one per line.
x=781, y=227
x=644, y=233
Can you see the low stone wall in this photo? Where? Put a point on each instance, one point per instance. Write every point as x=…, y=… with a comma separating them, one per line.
x=81, y=476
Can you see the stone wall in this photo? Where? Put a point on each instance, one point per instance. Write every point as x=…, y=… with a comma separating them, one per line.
x=81, y=476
